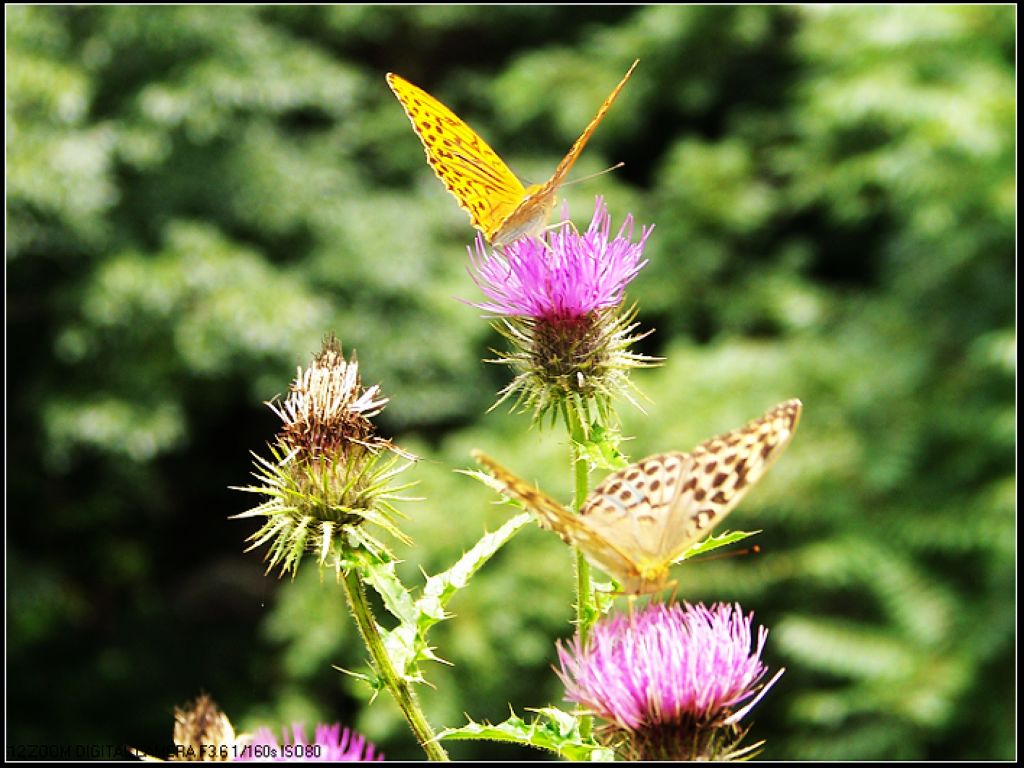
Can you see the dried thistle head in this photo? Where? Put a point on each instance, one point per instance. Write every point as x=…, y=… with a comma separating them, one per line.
x=330, y=472
x=202, y=731
x=327, y=411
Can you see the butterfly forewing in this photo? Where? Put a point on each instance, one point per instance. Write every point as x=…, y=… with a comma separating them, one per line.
x=722, y=470
x=574, y=152
x=532, y=214
x=657, y=508
x=478, y=179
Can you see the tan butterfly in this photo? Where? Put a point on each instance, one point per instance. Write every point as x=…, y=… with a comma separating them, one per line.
x=497, y=202
x=643, y=518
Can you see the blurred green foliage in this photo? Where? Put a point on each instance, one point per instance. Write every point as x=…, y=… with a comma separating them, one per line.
x=195, y=195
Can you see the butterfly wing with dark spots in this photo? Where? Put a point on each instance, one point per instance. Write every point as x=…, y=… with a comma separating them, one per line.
x=641, y=519
x=473, y=172
x=721, y=472
x=631, y=505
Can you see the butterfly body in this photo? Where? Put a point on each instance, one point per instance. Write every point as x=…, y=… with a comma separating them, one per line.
x=529, y=218
x=499, y=204
x=644, y=518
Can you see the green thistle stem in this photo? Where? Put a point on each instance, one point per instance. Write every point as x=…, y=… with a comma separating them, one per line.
x=585, y=606
x=399, y=689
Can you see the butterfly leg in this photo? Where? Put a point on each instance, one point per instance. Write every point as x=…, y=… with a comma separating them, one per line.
x=560, y=224
x=555, y=226
x=674, y=586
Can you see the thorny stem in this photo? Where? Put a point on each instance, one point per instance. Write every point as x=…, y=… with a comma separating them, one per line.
x=399, y=689
x=585, y=608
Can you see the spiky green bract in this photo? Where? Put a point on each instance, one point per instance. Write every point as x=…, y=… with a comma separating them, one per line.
x=578, y=364
x=321, y=505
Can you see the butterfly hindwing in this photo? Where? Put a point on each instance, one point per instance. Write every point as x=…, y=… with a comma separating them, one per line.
x=631, y=506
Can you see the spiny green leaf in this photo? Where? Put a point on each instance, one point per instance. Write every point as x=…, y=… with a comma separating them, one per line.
x=440, y=588
x=552, y=730
x=487, y=479
x=715, y=542
x=605, y=593
x=375, y=683
x=406, y=648
x=406, y=644
x=382, y=577
x=601, y=448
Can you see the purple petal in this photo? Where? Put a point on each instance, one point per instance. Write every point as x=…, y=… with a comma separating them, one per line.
x=665, y=663
x=563, y=275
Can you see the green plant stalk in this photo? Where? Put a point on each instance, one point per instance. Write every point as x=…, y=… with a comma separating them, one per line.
x=399, y=689
x=585, y=605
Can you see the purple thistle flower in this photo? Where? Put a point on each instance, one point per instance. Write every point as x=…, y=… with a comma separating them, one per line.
x=332, y=743
x=559, y=300
x=563, y=276
x=668, y=678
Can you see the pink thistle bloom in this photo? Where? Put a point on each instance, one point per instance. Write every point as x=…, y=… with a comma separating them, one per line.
x=669, y=676
x=563, y=276
x=332, y=743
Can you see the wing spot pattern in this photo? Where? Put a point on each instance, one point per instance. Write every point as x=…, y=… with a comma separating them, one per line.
x=637, y=528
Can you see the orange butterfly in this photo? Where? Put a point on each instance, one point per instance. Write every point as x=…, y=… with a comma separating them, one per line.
x=498, y=203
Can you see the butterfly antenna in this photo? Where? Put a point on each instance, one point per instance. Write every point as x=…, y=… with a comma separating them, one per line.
x=561, y=223
x=594, y=175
